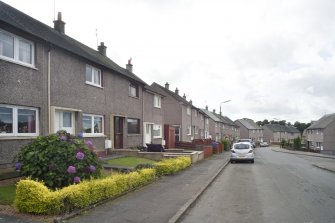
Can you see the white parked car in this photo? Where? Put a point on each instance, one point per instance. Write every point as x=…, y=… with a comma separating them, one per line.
x=242, y=152
x=263, y=144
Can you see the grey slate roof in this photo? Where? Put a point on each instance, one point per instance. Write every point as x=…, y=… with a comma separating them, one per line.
x=249, y=124
x=281, y=128
x=171, y=93
x=323, y=122
x=226, y=120
x=154, y=90
x=10, y=16
x=210, y=115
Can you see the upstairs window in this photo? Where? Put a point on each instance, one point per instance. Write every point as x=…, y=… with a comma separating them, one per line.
x=207, y=121
x=133, y=90
x=188, y=110
x=93, y=76
x=16, y=49
x=157, y=101
x=188, y=130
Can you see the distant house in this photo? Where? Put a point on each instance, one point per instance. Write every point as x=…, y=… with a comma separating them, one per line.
x=177, y=112
x=321, y=135
x=213, y=123
x=51, y=82
x=229, y=130
x=250, y=130
x=275, y=133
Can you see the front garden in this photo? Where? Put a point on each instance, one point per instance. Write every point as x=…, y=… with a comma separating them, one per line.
x=63, y=174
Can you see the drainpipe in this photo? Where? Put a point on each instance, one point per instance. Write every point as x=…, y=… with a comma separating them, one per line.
x=142, y=140
x=49, y=98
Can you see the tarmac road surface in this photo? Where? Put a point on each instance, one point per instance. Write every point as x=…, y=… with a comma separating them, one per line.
x=279, y=187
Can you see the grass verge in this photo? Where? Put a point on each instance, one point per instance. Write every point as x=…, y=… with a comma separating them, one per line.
x=7, y=194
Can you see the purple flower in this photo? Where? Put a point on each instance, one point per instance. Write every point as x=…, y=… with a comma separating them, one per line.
x=80, y=135
x=89, y=144
x=76, y=179
x=92, y=168
x=71, y=169
x=71, y=141
x=18, y=166
x=80, y=155
x=62, y=138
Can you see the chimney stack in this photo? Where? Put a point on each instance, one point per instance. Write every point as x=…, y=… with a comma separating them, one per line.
x=102, y=49
x=176, y=91
x=129, y=66
x=206, y=107
x=184, y=96
x=190, y=101
x=214, y=111
x=59, y=25
x=167, y=85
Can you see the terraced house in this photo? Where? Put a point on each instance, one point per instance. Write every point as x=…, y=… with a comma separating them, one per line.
x=321, y=135
x=250, y=130
x=51, y=82
x=275, y=133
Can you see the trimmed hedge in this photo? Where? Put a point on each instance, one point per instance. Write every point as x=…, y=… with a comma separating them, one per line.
x=34, y=197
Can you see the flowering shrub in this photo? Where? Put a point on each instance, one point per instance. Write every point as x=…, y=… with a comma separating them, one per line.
x=59, y=160
x=172, y=166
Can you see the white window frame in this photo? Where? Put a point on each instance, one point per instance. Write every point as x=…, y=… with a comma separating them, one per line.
x=189, y=130
x=188, y=110
x=16, y=53
x=92, y=125
x=15, y=121
x=92, y=76
x=196, y=130
x=207, y=121
x=157, y=101
x=133, y=86
x=156, y=127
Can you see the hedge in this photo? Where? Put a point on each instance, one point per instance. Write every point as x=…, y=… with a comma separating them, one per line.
x=34, y=197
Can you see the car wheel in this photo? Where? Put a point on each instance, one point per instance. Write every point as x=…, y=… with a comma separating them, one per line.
x=232, y=161
x=252, y=161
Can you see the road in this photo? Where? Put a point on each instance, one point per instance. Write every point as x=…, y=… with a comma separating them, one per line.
x=279, y=187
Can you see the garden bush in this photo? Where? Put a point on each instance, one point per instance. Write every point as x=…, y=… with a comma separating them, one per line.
x=34, y=197
x=59, y=160
x=171, y=166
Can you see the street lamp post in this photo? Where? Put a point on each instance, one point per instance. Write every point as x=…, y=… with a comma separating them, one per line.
x=221, y=115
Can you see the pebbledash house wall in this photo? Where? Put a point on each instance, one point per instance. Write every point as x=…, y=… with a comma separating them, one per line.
x=24, y=86
x=329, y=139
x=69, y=90
x=152, y=114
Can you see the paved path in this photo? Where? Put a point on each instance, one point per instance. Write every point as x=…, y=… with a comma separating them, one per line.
x=162, y=201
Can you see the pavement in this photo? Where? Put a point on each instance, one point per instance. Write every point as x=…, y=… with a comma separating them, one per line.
x=326, y=162
x=168, y=198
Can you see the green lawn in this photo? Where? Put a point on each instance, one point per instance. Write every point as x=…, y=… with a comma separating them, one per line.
x=129, y=161
x=7, y=194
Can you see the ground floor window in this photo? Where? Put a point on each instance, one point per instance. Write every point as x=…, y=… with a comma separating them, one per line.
x=93, y=124
x=133, y=125
x=18, y=121
x=64, y=120
x=157, y=131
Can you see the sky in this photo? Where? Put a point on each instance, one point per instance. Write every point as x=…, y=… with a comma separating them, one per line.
x=272, y=59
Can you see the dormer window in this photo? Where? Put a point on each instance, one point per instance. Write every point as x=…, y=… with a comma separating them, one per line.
x=93, y=76
x=16, y=49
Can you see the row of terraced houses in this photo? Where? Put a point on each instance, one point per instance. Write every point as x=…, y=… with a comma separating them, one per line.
x=51, y=82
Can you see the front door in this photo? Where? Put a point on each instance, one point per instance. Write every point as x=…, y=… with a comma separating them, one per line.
x=64, y=120
x=147, y=133
x=118, y=132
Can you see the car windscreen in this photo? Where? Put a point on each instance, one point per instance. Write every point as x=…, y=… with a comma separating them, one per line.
x=241, y=146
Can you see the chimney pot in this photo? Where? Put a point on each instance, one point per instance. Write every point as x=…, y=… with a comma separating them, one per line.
x=190, y=101
x=102, y=49
x=167, y=85
x=129, y=66
x=59, y=25
x=176, y=91
x=206, y=107
x=184, y=96
x=214, y=111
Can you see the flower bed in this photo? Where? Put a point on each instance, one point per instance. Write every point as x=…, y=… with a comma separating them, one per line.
x=34, y=197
